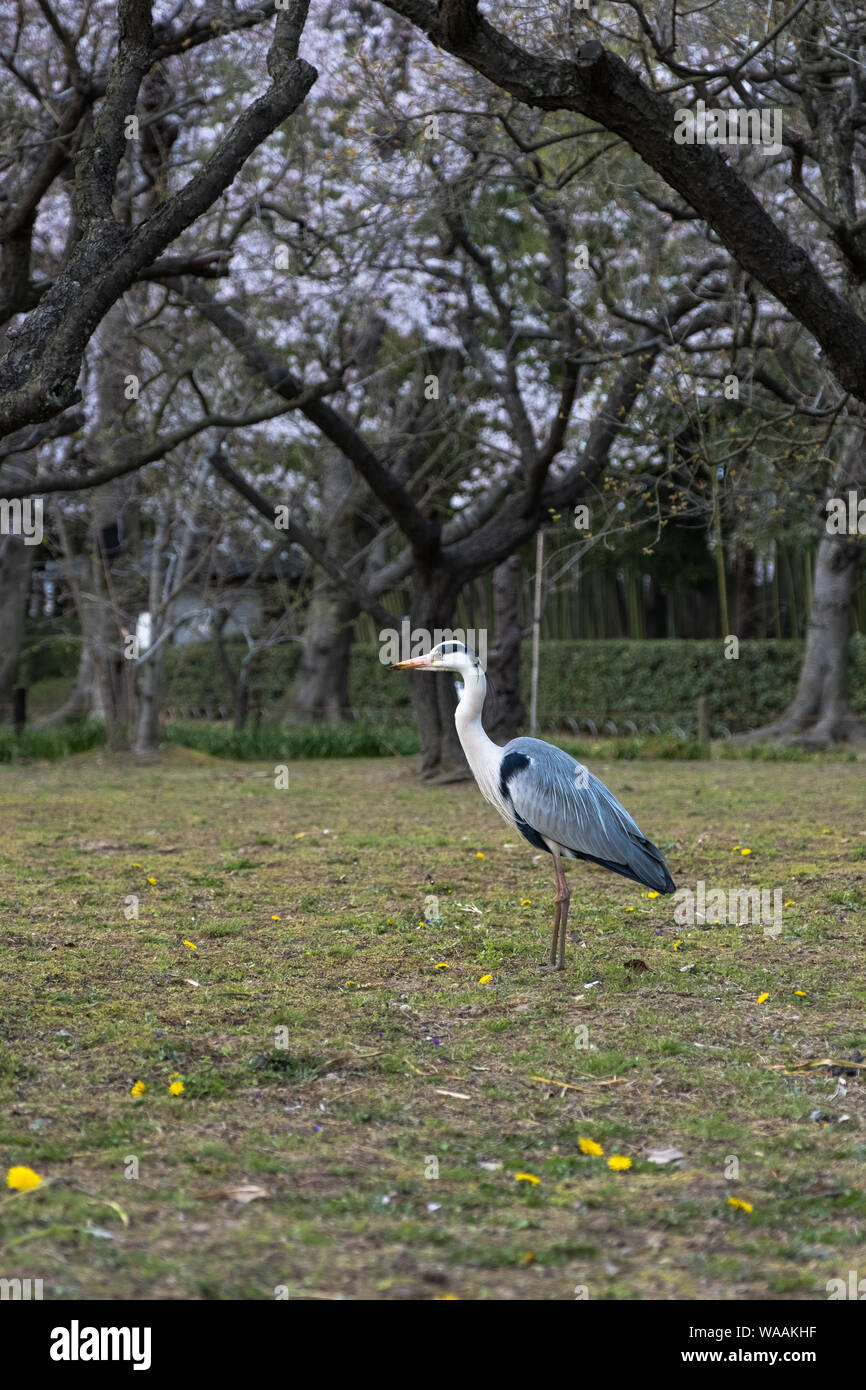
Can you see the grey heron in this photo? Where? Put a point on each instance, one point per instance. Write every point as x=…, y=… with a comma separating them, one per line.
x=556, y=803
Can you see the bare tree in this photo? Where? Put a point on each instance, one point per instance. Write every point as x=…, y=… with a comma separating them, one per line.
x=102, y=259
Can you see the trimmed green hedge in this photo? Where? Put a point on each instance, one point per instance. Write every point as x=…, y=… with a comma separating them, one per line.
x=194, y=678
x=648, y=683
x=660, y=681
x=652, y=684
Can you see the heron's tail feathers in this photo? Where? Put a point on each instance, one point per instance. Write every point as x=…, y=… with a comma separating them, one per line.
x=645, y=864
x=649, y=867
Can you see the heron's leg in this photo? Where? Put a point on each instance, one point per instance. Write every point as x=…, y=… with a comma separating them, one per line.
x=552, y=961
x=563, y=921
x=558, y=921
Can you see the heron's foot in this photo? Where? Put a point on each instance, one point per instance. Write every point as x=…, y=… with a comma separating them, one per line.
x=550, y=966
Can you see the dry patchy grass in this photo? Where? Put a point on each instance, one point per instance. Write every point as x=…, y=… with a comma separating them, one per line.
x=306, y=908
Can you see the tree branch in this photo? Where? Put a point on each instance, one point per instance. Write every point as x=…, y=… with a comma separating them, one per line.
x=599, y=85
x=158, y=450
x=39, y=372
x=298, y=533
x=422, y=532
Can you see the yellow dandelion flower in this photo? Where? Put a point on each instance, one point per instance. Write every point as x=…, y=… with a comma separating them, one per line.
x=678, y=943
x=527, y=1177
x=738, y=1205
x=745, y=851
x=138, y=1089
x=351, y=982
x=191, y=944
x=137, y=866
x=762, y=998
x=275, y=918
x=446, y=1298
x=652, y=893
x=629, y=909
x=176, y=1088
x=619, y=1163
x=736, y=846
x=22, y=1179
x=478, y=854
x=801, y=992
x=152, y=880
x=300, y=835
x=526, y=902
x=790, y=903
x=443, y=965
x=485, y=979
x=389, y=923
x=825, y=832
x=589, y=1146
x=173, y=1076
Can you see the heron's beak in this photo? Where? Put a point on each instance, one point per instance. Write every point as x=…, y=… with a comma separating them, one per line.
x=417, y=663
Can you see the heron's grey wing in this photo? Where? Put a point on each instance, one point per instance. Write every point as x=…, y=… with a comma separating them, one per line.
x=560, y=800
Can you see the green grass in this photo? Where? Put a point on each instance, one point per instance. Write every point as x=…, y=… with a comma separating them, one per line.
x=337, y=1048
x=57, y=742
x=360, y=739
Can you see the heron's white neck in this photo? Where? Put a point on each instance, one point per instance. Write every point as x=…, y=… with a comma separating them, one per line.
x=482, y=754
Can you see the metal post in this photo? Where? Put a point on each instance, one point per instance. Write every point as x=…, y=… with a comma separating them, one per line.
x=536, y=629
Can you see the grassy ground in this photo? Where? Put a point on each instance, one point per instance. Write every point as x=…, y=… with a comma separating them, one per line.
x=306, y=1158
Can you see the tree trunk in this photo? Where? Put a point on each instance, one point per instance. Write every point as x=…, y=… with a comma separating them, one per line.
x=820, y=713
x=434, y=697
x=321, y=693
x=506, y=715
x=103, y=684
x=241, y=702
x=150, y=679
x=746, y=594
x=80, y=702
x=147, y=723
x=238, y=681
x=107, y=590
x=167, y=579
x=16, y=569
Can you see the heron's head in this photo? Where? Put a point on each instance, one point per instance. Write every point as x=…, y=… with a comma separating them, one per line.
x=448, y=656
